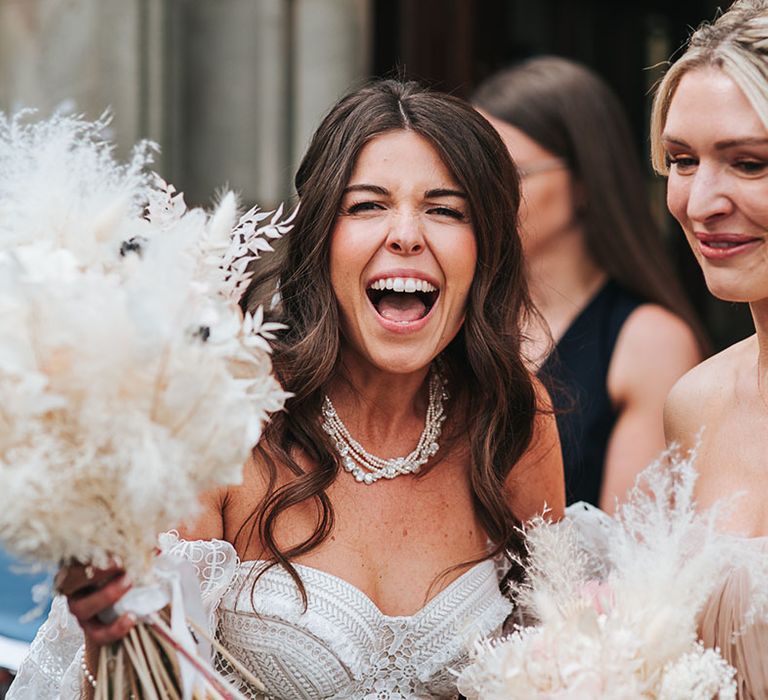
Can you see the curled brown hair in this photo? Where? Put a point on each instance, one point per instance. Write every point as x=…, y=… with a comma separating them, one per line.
x=486, y=374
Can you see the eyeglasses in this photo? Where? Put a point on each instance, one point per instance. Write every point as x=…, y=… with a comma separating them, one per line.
x=541, y=166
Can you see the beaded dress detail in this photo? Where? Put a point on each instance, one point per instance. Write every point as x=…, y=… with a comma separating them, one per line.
x=342, y=646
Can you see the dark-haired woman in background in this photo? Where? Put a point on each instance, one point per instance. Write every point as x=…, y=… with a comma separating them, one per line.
x=403, y=293
x=598, y=274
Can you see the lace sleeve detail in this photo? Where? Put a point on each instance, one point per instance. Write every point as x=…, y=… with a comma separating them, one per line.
x=215, y=563
x=51, y=670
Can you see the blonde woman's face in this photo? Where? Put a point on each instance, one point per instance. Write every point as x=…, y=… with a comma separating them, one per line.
x=717, y=148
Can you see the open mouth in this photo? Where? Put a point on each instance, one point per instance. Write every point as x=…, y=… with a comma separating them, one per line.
x=402, y=299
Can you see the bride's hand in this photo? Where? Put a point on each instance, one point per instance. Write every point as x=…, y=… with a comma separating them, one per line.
x=91, y=593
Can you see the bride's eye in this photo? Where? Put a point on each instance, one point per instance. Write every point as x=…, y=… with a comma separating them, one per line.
x=362, y=207
x=449, y=212
x=751, y=167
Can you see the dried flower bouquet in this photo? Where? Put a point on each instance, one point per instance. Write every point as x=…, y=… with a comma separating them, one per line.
x=614, y=602
x=130, y=380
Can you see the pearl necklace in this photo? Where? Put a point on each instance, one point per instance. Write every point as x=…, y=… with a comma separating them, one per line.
x=367, y=468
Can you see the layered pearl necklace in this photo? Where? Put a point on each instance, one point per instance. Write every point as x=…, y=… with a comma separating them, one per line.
x=367, y=468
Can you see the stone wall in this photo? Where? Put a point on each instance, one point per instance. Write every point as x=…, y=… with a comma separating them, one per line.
x=231, y=89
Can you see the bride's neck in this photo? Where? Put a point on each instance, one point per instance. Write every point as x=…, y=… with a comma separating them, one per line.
x=373, y=402
x=759, y=310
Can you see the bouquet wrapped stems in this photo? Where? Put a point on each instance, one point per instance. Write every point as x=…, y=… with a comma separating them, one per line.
x=147, y=664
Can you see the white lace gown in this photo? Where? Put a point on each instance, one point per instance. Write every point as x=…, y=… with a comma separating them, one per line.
x=342, y=646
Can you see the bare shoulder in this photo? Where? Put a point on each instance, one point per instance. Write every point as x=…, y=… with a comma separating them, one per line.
x=536, y=482
x=208, y=524
x=654, y=348
x=225, y=504
x=651, y=324
x=703, y=391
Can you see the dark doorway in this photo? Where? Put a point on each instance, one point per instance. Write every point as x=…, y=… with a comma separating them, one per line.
x=453, y=44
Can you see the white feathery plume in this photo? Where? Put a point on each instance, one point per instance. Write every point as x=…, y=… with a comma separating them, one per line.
x=130, y=380
x=60, y=185
x=615, y=601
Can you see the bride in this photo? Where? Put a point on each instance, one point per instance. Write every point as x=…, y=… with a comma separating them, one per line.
x=358, y=556
x=710, y=136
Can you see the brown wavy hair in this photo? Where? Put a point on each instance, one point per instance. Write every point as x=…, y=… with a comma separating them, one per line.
x=487, y=377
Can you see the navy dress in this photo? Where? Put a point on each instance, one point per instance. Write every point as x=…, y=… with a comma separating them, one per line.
x=576, y=374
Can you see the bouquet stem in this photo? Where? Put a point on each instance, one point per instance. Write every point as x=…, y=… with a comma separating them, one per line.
x=145, y=666
x=231, y=660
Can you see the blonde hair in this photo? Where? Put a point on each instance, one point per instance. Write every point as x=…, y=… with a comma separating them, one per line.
x=736, y=43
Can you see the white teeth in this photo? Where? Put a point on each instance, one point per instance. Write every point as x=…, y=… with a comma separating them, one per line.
x=408, y=285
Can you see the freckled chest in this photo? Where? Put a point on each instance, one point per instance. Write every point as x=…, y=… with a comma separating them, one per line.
x=411, y=514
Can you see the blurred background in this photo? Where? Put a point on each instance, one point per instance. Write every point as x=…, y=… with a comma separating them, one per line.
x=233, y=89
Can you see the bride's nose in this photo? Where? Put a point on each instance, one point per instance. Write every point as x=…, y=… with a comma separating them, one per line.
x=405, y=236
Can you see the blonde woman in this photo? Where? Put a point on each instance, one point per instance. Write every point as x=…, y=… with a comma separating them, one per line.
x=710, y=137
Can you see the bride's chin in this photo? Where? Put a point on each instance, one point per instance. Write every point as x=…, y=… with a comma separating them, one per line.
x=397, y=353
x=403, y=362
x=394, y=357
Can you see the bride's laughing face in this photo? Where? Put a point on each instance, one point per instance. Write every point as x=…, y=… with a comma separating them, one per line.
x=403, y=254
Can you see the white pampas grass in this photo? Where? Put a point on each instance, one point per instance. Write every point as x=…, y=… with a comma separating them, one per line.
x=130, y=381
x=614, y=601
x=60, y=185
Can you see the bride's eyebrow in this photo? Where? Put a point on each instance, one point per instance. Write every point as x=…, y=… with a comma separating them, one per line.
x=673, y=141
x=374, y=189
x=444, y=192
x=720, y=145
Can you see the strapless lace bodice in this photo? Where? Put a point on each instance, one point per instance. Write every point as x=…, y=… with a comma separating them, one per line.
x=343, y=646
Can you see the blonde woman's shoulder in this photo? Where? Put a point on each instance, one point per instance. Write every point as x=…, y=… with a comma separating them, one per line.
x=703, y=392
